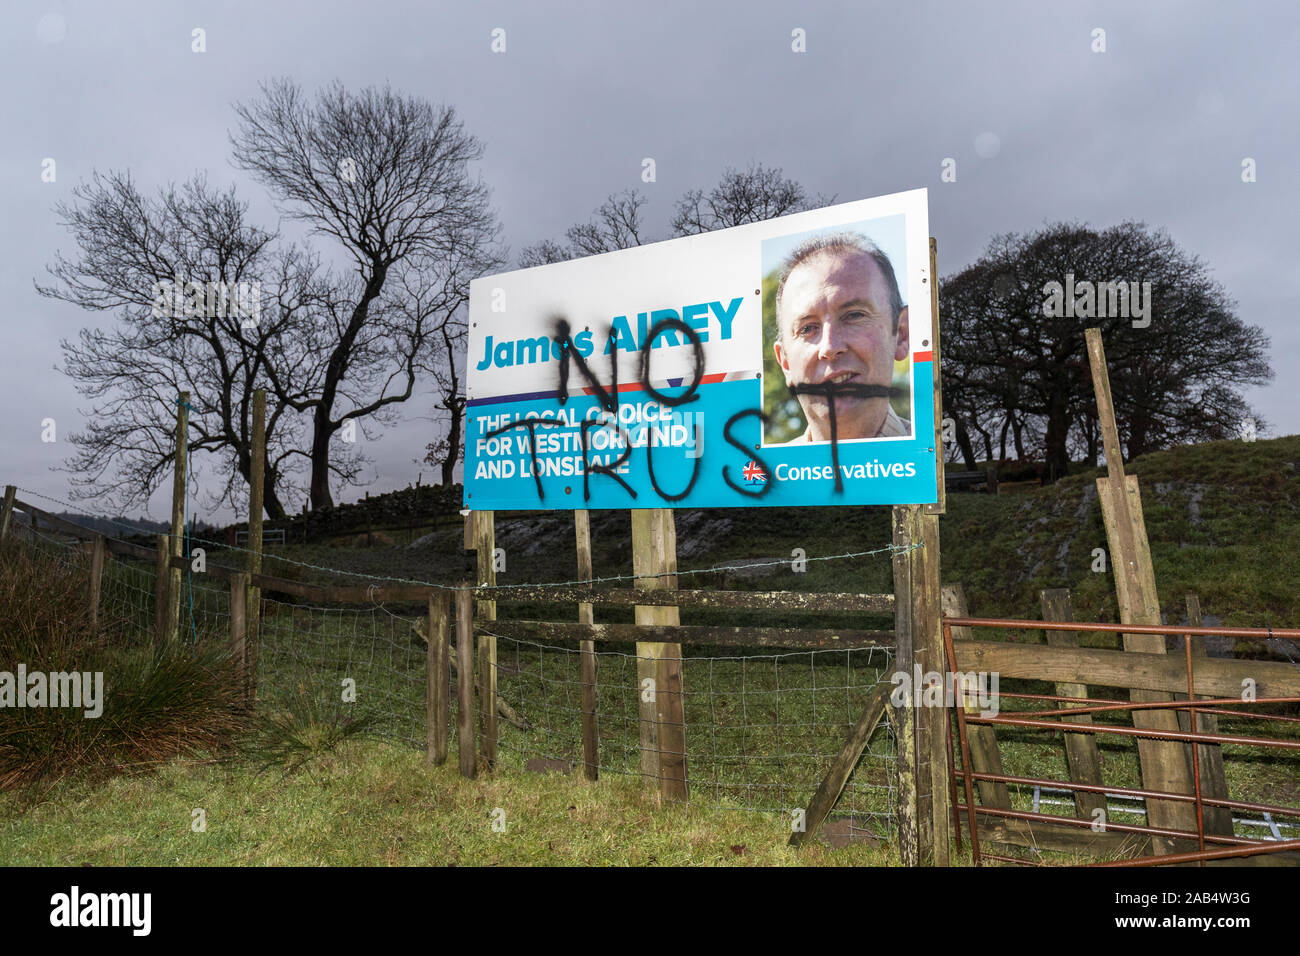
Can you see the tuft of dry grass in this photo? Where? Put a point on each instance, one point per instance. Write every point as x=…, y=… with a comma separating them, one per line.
x=157, y=702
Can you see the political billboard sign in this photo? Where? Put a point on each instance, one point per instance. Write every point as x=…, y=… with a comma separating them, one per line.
x=785, y=362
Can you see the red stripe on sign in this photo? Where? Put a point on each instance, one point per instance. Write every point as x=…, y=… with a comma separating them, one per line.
x=636, y=386
x=923, y=356
x=625, y=387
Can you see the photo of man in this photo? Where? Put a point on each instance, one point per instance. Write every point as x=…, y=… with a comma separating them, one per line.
x=836, y=328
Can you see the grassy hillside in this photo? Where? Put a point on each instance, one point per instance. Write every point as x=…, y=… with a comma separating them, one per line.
x=1223, y=520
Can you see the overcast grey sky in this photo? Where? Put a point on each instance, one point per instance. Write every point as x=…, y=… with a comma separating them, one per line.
x=1042, y=129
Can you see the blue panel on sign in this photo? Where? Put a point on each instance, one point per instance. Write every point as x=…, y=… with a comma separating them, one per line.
x=708, y=453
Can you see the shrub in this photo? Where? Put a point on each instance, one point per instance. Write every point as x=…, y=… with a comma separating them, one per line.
x=157, y=703
x=300, y=733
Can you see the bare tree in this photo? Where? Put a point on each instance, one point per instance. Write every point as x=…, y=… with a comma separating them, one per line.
x=439, y=297
x=136, y=257
x=616, y=224
x=388, y=178
x=543, y=254
x=754, y=195
x=449, y=450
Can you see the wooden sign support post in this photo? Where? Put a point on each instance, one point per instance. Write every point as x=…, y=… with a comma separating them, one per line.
x=918, y=643
x=659, y=666
x=925, y=802
x=1164, y=763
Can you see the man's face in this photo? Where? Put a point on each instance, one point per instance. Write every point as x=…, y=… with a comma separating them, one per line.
x=835, y=325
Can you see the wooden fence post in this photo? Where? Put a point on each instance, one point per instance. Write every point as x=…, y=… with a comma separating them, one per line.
x=663, y=725
x=97, y=548
x=179, y=480
x=1218, y=820
x=161, y=586
x=239, y=630
x=438, y=713
x=907, y=813
x=904, y=719
x=936, y=387
x=1081, y=753
x=256, y=492
x=465, y=681
x=919, y=639
x=1164, y=763
x=7, y=515
x=587, y=649
x=984, y=756
x=485, y=545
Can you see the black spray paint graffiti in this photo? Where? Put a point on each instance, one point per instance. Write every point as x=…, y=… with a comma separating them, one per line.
x=830, y=391
x=607, y=397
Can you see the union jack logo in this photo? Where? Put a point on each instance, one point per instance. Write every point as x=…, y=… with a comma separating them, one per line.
x=753, y=472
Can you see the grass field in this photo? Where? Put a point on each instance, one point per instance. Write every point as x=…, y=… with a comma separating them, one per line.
x=371, y=803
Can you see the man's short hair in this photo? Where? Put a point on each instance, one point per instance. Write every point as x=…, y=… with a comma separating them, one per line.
x=840, y=242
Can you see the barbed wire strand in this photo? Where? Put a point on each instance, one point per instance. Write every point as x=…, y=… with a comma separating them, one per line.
x=892, y=549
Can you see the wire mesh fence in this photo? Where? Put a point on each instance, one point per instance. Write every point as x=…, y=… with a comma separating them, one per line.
x=365, y=664
x=761, y=728
x=127, y=600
